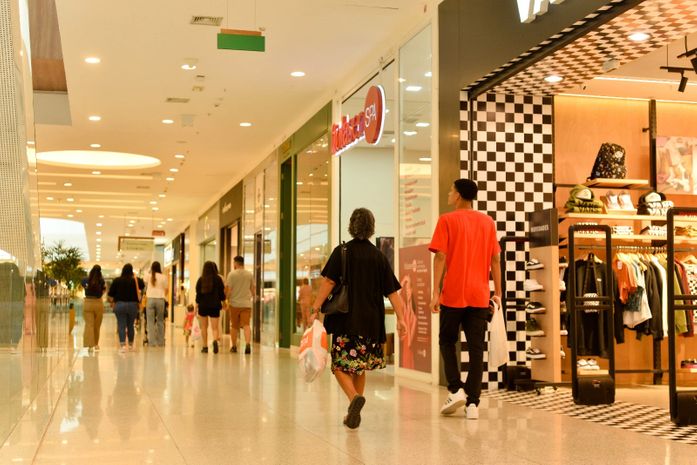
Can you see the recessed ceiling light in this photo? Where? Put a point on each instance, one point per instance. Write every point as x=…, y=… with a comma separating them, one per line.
x=162, y=196
x=170, y=219
x=413, y=88
x=30, y=142
x=409, y=133
x=93, y=60
x=49, y=198
x=95, y=118
x=128, y=234
x=155, y=209
x=99, y=225
x=424, y=158
x=67, y=184
x=422, y=124
x=174, y=170
x=78, y=211
x=170, y=179
x=96, y=146
x=167, y=121
x=179, y=156
x=70, y=199
x=69, y=215
x=101, y=216
x=153, y=202
x=554, y=78
x=99, y=239
x=85, y=159
x=402, y=80
x=393, y=140
x=639, y=36
x=428, y=74
x=188, y=67
x=299, y=183
x=297, y=74
x=245, y=124
x=99, y=233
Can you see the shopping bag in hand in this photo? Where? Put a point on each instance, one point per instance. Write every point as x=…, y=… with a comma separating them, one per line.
x=498, y=339
x=312, y=357
x=195, y=330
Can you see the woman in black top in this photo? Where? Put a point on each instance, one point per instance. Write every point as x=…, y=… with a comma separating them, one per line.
x=357, y=336
x=124, y=294
x=210, y=295
x=94, y=307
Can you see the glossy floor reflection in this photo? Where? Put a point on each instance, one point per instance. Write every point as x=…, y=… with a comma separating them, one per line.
x=178, y=406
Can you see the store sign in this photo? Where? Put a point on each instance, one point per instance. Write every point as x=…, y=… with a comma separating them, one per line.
x=169, y=255
x=367, y=124
x=136, y=244
x=531, y=9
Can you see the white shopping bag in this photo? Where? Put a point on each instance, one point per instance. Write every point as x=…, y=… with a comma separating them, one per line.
x=498, y=340
x=313, y=352
x=195, y=330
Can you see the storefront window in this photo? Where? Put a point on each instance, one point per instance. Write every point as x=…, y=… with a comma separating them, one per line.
x=312, y=227
x=270, y=254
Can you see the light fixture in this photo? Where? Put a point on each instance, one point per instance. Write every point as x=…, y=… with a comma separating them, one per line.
x=70, y=199
x=85, y=159
x=409, y=133
x=162, y=196
x=98, y=233
x=95, y=118
x=99, y=239
x=424, y=158
x=169, y=178
x=179, y=156
x=67, y=184
x=101, y=216
x=554, y=79
x=174, y=170
x=412, y=88
x=93, y=60
x=30, y=142
x=393, y=140
x=170, y=219
x=428, y=74
x=153, y=202
x=245, y=124
x=422, y=124
x=639, y=36
x=297, y=74
x=96, y=173
x=96, y=146
x=402, y=80
x=127, y=234
x=299, y=183
x=49, y=198
x=188, y=67
x=155, y=209
x=69, y=215
x=78, y=211
x=683, y=83
x=167, y=121
x=99, y=225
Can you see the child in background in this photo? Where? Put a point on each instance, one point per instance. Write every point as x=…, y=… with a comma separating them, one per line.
x=189, y=322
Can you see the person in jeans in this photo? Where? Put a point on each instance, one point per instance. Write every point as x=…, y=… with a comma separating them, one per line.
x=466, y=250
x=240, y=289
x=210, y=295
x=124, y=294
x=357, y=336
x=155, y=307
x=94, y=307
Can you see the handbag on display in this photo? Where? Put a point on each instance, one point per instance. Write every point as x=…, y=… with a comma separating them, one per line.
x=609, y=163
x=654, y=203
x=337, y=300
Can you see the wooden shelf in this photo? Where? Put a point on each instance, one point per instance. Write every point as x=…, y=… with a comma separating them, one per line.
x=606, y=216
x=637, y=237
x=604, y=183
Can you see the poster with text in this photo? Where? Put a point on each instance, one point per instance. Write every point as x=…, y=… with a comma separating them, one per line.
x=415, y=277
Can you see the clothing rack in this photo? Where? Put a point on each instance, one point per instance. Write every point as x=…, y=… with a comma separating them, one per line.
x=683, y=404
x=578, y=303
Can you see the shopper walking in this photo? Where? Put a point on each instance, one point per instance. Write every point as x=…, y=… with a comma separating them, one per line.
x=357, y=336
x=155, y=294
x=125, y=294
x=466, y=249
x=93, y=309
x=210, y=295
x=240, y=290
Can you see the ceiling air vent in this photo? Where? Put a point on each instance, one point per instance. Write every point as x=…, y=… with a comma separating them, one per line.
x=177, y=100
x=207, y=20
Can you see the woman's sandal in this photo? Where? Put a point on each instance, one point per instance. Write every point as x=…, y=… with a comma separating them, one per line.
x=353, y=419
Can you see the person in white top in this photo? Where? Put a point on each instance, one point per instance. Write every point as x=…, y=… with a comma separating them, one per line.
x=156, y=292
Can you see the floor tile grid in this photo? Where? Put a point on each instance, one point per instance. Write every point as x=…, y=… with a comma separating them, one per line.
x=638, y=418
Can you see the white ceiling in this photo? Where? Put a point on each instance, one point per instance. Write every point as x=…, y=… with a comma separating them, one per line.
x=142, y=45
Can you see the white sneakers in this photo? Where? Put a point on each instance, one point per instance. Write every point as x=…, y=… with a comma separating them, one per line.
x=457, y=400
x=532, y=285
x=453, y=402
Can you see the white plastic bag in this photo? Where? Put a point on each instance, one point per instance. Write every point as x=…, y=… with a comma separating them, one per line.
x=195, y=330
x=312, y=357
x=498, y=340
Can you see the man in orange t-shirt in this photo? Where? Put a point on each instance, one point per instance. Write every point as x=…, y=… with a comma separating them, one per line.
x=466, y=249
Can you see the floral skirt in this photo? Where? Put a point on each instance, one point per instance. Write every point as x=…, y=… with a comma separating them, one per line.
x=355, y=354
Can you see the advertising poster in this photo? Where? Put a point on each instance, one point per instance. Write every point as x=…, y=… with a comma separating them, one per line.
x=415, y=277
x=676, y=167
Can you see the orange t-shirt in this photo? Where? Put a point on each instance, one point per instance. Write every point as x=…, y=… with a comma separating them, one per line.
x=468, y=240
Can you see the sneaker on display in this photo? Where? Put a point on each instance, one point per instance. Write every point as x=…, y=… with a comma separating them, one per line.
x=532, y=285
x=593, y=364
x=534, y=354
x=453, y=402
x=472, y=412
x=535, y=307
x=562, y=353
x=689, y=363
x=562, y=285
x=582, y=364
x=534, y=264
x=563, y=331
x=532, y=328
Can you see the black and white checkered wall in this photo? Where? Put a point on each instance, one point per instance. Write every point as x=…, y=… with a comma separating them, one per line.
x=512, y=161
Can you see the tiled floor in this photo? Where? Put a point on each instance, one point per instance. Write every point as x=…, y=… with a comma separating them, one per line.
x=178, y=406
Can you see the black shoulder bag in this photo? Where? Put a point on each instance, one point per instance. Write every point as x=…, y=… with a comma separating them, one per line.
x=338, y=301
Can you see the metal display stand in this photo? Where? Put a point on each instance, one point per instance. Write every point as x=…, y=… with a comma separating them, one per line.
x=580, y=303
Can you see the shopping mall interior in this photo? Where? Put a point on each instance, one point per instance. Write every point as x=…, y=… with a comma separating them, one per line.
x=160, y=136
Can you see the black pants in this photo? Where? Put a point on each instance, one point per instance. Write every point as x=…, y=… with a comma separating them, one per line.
x=474, y=323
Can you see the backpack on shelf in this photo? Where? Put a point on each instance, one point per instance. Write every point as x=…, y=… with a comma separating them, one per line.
x=609, y=163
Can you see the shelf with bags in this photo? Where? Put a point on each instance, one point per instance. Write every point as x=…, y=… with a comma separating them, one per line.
x=610, y=216
x=608, y=183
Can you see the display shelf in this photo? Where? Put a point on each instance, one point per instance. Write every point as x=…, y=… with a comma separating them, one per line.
x=605, y=183
x=637, y=237
x=608, y=216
